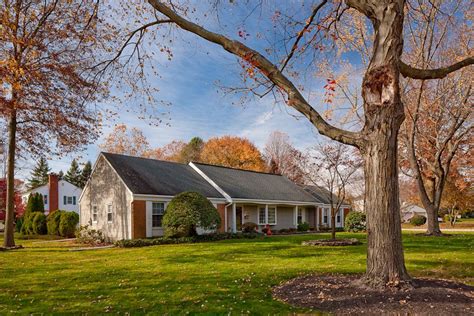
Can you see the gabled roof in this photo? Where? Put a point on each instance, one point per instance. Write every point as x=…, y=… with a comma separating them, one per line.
x=156, y=177
x=243, y=184
x=321, y=194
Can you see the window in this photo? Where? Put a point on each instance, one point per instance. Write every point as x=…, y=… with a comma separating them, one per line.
x=300, y=216
x=110, y=215
x=338, y=217
x=269, y=217
x=157, y=211
x=45, y=199
x=94, y=214
x=272, y=216
x=69, y=200
x=325, y=215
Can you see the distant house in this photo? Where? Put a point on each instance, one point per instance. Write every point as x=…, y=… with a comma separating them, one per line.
x=57, y=195
x=409, y=210
x=126, y=196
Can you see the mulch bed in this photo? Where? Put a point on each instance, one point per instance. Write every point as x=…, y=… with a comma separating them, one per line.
x=340, y=294
x=11, y=248
x=332, y=242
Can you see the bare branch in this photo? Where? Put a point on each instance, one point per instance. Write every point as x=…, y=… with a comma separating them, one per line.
x=415, y=73
x=267, y=68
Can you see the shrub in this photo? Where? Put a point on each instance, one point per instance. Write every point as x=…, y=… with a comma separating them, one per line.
x=68, y=223
x=249, y=227
x=86, y=235
x=38, y=223
x=355, y=222
x=283, y=231
x=292, y=230
x=417, y=220
x=35, y=203
x=267, y=230
x=53, y=221
x=19, y=223
x=27, y=227
x=186, y=212
x=303, y=227
x=182, y=240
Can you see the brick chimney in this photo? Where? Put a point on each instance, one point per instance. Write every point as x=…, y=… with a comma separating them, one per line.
x=53, y=192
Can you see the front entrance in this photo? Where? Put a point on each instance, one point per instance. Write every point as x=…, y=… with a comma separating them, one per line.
x=238, y=212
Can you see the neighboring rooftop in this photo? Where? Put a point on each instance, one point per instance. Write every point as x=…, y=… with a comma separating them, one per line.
x=156, y=177
x=321, y=194
x=245, y=184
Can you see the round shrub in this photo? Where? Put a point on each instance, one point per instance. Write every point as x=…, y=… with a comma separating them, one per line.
x=53, y=221
x=303, y=227
x=27, y=226
x=67, y=224
x=19, y=224
x=38, y=223
x=417, y=220
x=86, y=235
x=249, y=227
x=188, y=211
x=355, y=222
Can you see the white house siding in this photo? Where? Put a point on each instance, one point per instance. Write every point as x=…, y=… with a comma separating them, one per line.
x=66, y=189
x=106, y=188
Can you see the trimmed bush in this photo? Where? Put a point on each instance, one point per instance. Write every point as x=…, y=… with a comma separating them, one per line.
x=39, y=224
x=186, y=212
x=417, y=220
x=303, y=227
x=249, y=227
x=85, y=235
x=53, y=221
x=19, y=224
x=355, y=222
x=183, y=240
x=68, y=223
x=27, y=227
x=35, y=203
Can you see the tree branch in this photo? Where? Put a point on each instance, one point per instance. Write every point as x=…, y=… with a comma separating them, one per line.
x=439, y=73
x=268, y=69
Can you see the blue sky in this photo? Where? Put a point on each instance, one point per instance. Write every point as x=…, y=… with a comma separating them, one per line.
x=199, y=107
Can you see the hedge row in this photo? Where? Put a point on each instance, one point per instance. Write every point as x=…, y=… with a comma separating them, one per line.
x=183, y=240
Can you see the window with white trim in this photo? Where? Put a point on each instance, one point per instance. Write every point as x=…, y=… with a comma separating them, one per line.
x=300, y=216
x=45, y=199
x=157, y=212
x=95, y=214
x=69, y=200
x=110, y=215
x=325, y=215
x=338, y=216
x=267, y=216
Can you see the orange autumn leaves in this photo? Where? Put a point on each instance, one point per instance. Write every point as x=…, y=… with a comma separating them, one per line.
x=228, y=151
x=234, y=152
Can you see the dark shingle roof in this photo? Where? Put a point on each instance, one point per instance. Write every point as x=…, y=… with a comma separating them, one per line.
x=255, y=185
x=320, y=194
x=156, y=177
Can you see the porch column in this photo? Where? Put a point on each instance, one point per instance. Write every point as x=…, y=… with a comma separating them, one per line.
x=295, y=216
x=266, y=214
x=234, y=217
x=317, y=217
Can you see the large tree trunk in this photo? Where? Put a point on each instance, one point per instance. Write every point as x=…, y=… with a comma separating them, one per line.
x=432, y=220
x=384, y=114
x=9, y=239
x=385, y=260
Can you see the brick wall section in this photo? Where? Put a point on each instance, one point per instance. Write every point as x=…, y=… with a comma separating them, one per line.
x=138, y=219
x=221, y=211
x=346, y=211
x=53, y=183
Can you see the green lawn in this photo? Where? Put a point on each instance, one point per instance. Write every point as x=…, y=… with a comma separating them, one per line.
x=219, y=277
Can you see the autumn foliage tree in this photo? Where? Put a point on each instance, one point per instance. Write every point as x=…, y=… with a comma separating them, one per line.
x=283, y=158
x=308, y=32
x=234, y=152
x=47, y=80
x=126, y=141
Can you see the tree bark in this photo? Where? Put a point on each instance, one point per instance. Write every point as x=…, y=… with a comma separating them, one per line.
x=9, y=238
x=384, y=114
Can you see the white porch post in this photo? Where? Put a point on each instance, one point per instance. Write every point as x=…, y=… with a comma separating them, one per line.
x=266, y=214
x=295, y=216
x=317, y=217
x=234, y=217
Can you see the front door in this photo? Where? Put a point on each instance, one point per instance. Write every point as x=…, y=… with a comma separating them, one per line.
x=238, y=211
